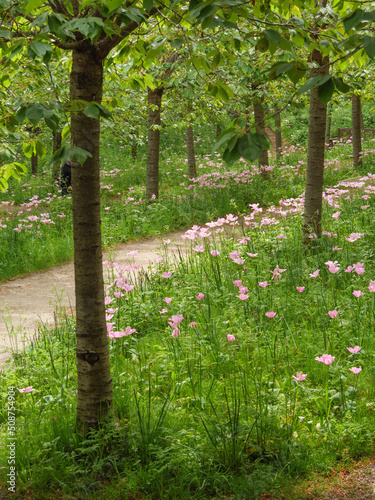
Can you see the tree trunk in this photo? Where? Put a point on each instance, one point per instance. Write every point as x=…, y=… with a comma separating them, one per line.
x=153, y=142
x=134, y=151
x=95, y=397
x=34, y=164
x=328, y=126
x=192, y=168
x=259, y=127
x=56, y=145
x=218, y=130
x=278, y=138
x=356, y=130
x=315, y=154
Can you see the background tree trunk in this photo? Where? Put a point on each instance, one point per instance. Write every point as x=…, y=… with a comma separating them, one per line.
x=153, y=142
x=192, y=168
x=278, y=138
x=259, y=127
x=57, y=141
x=218, y=130
x=34, y=164
x=134, y=151
x=328, y=126
x=356, y=130
x=95, y=397
x=315, y=153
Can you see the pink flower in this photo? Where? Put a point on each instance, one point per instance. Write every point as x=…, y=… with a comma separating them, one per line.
x=357, y=293
x=122, y=333
x=118, y=294
x=167, y=300
x=200, y=296
x=333, y=269
x=359, y=268
x=356, y=370
x=336, y=215
x=372, y=288
x=270, y=314
x=333, y=314
x=299, y=377
x=107, y=300
x=175, y=320
x=26, y=389
x=243, y=289
x=276, y=273
x=193, y=324
x=128, y=288
x=133, y=252
x=163, y=311
x=243, y=296
x=354, y=349
x=349, y=269
x=231, y=338
x=327, y=359
x=314, y=274
x=198, y=249
x=263, y=284
x=214, y=253
x=167, y=274
x=176, y=333
x=300, y=289
x=237, y=283
x=252, y=254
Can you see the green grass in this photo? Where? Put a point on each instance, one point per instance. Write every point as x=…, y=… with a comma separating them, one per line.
x=200, y=415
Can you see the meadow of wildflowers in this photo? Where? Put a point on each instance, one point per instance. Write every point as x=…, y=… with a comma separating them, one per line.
x=246, y=362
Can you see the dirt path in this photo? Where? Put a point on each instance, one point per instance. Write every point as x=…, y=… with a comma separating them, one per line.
x=24, y=302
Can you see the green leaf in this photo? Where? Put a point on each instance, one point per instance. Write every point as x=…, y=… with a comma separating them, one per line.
x=340, y=85
x=272, y=36
x=65, y=153
x=248, y=148
x=54, y=23
x=148, y=4
x=231, y=156
x=91, y=111
x=284, y=68
x=34, y=113
x=33, y=5
x=224, y=137
x=40, y=49
x=353, y=19
x=310, y=84
x=326, y=91
x=21, y=114
x=6, y=34
x=296, y=74
x=177, y=43
x=113, y=4
x=369, y=46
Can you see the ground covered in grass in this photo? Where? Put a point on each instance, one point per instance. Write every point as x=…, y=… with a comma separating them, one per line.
x=247, y=363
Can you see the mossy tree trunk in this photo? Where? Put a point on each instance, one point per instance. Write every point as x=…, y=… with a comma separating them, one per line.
x=278, y=137
x=57, y=141
x=356, y=130
x=192, y=167
x=259, y=127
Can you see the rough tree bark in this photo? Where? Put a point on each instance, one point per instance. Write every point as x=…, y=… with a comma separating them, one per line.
x=278, y=138
x=192, y=167
x=134, y=151
x=315, y=153
x=95, y=398
x=57, y=141
x=356, y=130
x=153, y=142
x=328, y=126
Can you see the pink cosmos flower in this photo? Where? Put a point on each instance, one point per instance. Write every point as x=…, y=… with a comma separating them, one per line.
x=243, y=289
x=263, y=284
x=357, y=293
x=214, y=253
x=359, y=268
x=371, y=288
x=166, y=242
x=118, y=294
x=299, y=376
x=107, y=300
x=231, y=338
x=136, y=266
x=252, y=254
x=356, y=370
x=163, y=311
x=333, y=314
x=128, y=288
x=200, y=296
x=349, y=269
x=270, y=314
x=300, y=289
x=336, y=215
x=167, y=300
x=167, y=274
x=109, y=328
x=333, y=269
x=237, y=282
x=314, y=274
x=26, y=389
x=354, y=349
x=193, y=324
x=327, y=359
x=133, y=252
x=122, y=333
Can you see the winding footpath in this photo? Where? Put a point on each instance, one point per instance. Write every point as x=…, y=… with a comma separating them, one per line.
x=29, y=301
